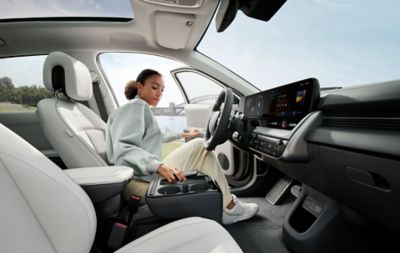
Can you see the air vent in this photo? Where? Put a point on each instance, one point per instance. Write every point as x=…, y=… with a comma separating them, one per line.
x=370, y=123
x=177, y=3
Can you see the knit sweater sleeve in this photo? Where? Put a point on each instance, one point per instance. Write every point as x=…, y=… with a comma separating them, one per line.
x=125, y=132
x=170, y=135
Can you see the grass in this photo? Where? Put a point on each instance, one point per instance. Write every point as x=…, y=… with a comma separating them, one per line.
x=167, y=148
x=8, y=107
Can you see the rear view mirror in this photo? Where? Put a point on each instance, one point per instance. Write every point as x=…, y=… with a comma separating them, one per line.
x=258, y=9
x=226, y=14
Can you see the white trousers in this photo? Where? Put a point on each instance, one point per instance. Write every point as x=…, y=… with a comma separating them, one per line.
x=190, y=156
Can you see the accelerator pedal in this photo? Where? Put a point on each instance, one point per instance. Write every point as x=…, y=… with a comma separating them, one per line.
x=278, y=190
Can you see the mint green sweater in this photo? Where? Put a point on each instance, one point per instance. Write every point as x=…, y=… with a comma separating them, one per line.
x=134, y=139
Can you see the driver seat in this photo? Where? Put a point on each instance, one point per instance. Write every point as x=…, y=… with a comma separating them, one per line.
x=44, y=210
x=74, y=130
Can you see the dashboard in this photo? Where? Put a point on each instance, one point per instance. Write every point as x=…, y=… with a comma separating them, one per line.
x=276, y=112
x=343, y=143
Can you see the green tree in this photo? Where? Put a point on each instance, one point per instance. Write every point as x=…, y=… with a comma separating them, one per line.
x=6, y=87
x=25, y=95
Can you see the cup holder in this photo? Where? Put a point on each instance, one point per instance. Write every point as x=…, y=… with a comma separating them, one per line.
x=196, y=196
x=200, y=187
x=168, y=190
x=193, y=185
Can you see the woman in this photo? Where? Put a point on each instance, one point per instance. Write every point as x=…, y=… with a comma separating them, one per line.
x=134, y=139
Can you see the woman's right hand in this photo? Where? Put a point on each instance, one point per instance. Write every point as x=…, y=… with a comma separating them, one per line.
x=170, y=173
x=193, y=133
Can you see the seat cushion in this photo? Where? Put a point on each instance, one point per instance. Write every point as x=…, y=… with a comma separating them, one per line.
x=186, y=235
x=42, y=209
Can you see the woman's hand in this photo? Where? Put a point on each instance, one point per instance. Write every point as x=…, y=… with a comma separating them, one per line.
x=193, y=133
x=170, y=173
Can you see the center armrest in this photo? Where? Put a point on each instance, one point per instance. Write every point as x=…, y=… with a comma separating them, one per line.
x=101, y=183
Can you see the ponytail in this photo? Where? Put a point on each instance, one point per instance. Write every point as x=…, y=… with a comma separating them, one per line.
x=130, y=90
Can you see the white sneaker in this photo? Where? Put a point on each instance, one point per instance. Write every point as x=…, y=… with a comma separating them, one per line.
x=241, y=211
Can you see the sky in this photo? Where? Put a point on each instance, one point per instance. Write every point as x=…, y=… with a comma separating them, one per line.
x=339, y=42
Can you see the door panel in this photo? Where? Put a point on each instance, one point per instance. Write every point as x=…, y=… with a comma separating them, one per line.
x=26, y=125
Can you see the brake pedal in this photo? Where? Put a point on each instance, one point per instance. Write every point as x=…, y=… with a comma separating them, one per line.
x=278, y=190
x=295, y=190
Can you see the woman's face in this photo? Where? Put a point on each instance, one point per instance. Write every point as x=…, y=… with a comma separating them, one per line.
x=152, y=89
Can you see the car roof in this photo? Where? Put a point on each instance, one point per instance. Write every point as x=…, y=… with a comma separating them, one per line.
x=156, y=28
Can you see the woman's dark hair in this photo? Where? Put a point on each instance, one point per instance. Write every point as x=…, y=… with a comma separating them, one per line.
x=131, y=89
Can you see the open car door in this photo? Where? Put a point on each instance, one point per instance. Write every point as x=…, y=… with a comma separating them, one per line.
x=200, y=92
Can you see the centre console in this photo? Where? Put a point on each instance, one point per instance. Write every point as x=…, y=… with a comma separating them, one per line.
x=103, y=185
x=196, y=196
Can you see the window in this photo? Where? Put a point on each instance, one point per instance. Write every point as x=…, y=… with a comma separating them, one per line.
x=340, y=42
x=21, y=83
x=20, y=9
x=122, y=67
x=199, y=89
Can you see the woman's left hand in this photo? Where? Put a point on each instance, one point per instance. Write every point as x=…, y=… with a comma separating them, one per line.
x=170, y=173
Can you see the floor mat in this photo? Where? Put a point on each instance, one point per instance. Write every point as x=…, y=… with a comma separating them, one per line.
x=262, y=233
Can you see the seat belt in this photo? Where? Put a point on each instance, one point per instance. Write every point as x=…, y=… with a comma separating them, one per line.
x=99, y=100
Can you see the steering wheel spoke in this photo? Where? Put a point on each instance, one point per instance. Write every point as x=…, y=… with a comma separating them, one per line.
x=216, y=131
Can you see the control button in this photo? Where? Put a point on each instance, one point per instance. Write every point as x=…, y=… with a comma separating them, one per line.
x=312, y=206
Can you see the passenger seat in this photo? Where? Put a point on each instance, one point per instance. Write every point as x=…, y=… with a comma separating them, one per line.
x=43, y=210
x=74, y=130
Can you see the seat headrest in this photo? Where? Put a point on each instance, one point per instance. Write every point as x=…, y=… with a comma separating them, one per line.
x=65, y=73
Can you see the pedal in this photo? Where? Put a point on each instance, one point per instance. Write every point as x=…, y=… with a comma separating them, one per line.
x=295, y=190
x=278, y=190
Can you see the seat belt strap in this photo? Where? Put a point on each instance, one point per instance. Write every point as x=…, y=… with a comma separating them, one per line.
x=99, y=101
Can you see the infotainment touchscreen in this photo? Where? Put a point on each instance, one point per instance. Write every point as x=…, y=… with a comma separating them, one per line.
x=284, y=106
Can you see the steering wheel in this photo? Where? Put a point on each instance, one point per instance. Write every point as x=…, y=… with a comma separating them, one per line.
x=216, y=131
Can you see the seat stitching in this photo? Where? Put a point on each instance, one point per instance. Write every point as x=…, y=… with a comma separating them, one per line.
x=27, y=202
x=93, y=152
x=52, y=179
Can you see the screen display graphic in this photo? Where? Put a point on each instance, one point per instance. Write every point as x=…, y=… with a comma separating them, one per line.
x=284, y=106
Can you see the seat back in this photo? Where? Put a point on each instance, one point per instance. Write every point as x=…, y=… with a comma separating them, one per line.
x=74, y=130
x=42, y=210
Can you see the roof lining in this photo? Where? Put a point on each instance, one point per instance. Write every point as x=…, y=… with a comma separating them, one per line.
x=68, y=19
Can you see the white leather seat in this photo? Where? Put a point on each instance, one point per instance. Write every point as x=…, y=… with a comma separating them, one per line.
x=43, y=210
x=74, y=130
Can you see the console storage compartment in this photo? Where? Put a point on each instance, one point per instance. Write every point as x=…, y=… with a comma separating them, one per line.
x=197, y=196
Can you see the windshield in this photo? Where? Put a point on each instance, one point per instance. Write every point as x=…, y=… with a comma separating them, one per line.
x=339, y=42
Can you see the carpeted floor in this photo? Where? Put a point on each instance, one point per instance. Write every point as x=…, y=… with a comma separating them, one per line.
x=263, y=233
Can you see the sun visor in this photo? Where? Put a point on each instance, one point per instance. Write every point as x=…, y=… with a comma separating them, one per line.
x=172, y=29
